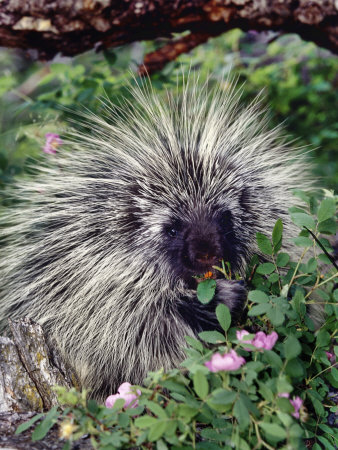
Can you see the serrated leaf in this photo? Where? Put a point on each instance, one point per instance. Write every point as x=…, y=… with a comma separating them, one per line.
x=328, y=226
x=326, y=209
x=212, y=337
x=265, y=268
x=273, y=430
x=282, y=259
x=206, y=291
x=292, y=347
x=201, y=385
x=258, y=297
x=223, y=316
x=277, y=234
x=303, y=220
x=24, y=426
x=257, y=310
x=264, y=244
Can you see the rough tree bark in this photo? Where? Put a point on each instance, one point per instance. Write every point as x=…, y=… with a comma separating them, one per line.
x=52, y=26
x=29, y=368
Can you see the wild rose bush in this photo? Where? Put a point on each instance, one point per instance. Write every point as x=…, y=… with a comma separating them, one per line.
x=268, y=383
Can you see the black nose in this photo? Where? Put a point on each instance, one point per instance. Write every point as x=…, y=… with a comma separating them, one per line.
x=204, y=252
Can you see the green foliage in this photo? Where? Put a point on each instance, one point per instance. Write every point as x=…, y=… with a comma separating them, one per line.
x=195, y=408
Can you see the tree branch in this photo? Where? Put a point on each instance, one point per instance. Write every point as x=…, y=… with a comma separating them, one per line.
x=72, y=27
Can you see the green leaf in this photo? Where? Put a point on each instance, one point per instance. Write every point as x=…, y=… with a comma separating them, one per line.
x=264, y=244
x=201, y=385
x=303, y=241
x=187, y=411
x=161, y=445
x=273, y=431
x=303, y=220
x=282, y=259
x=241, y=413
x=329, y=226
x=223, y=397
x=323, y=338
x=326, y=443
x=276, y=316
x=42, y=429
x=156, y=409
x=194, y=343
x=206, y=291
x=273, y=278
x=258, y=297
x=326, y=209
x=295, y=368
x=145, y=421
x=212, y=337
x=157, y=430
x=223, y=316
x=273, y=359
x=277, y=234
x=257, y=310
x=265, y=268
x=292, y=347
x=24, y=426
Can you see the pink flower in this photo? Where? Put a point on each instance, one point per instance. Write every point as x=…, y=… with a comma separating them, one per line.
x=297, y=403
x=284, y=395
x=240, y=336
x=128, y=394
x=329, y=355
x=261, y=340
x=229, y=361
x=52, y=142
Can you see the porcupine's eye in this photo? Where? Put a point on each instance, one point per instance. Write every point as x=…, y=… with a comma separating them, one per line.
x=173, y=229
x=172, y=232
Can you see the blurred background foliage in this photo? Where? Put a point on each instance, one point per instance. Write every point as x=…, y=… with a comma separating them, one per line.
x=299, y=79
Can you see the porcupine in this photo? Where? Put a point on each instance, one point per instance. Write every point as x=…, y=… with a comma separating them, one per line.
x=103, y=249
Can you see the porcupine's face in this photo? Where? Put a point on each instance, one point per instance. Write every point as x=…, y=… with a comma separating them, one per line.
x=196, y=244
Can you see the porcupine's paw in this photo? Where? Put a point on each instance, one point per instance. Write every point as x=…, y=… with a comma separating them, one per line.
x=233, y=294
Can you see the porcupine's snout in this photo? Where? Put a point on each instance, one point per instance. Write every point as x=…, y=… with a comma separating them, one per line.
x=203, y=248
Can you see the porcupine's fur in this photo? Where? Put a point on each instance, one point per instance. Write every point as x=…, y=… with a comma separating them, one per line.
x=103, y=248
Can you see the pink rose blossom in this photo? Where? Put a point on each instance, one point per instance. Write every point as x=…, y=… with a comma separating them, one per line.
x=128, y=394
x=240, y=336
x=52, y=142
x=260, y=341
x=297, y=403
x=229, y=361
x=264, y=341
